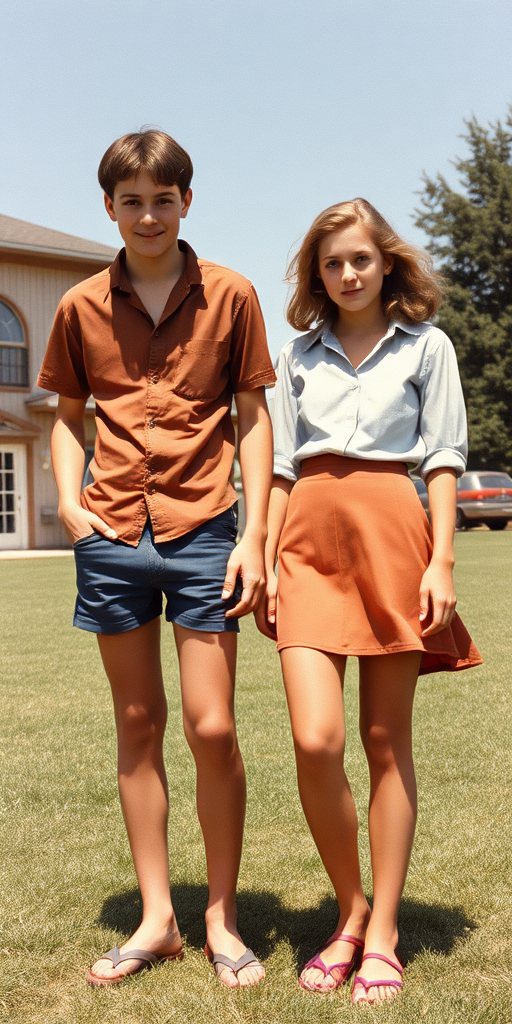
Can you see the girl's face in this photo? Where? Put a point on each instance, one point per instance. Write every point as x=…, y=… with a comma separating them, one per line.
x=352, y=269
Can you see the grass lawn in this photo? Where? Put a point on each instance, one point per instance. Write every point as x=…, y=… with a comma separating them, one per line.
x=69, y=890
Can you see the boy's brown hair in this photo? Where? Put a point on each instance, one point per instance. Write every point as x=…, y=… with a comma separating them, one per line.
x=149, y=150
x=411, y=293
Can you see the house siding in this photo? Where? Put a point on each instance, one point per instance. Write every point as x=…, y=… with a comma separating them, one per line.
x=35, y=293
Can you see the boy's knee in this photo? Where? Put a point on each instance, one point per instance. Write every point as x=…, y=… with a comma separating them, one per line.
x=142, y=726
x=211, y=737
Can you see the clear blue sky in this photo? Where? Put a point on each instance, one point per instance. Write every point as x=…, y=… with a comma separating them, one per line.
x=284, y=106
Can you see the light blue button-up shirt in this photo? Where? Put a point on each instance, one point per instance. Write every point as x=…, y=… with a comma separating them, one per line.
x=404, y=402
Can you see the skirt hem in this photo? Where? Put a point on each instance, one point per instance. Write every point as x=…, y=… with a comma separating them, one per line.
x=438, y=661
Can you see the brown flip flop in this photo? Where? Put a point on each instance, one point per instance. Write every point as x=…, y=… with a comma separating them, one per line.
x=147, y=960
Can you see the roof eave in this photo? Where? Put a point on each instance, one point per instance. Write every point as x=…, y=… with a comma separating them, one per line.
x=58, y=254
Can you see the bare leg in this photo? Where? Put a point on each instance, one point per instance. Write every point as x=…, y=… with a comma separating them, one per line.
x=132, y=664
x=314, y=690
x=207, y=669
x=387, y=686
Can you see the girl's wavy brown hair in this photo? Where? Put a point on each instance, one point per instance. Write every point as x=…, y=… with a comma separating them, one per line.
x=411, y=293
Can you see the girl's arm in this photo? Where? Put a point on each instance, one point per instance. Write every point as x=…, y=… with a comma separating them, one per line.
x=265, y=614
x=437, y=594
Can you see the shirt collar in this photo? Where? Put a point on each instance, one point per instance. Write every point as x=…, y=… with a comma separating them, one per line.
x=321, y=332
x=118, y=277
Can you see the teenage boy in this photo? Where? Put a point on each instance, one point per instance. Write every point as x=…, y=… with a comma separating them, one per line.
x=163, y=341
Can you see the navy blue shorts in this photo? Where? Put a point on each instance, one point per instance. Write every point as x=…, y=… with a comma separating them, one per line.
x=120, y=587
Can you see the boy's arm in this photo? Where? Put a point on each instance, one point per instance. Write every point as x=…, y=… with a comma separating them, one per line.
x=255, y=451
x=265, y=614
x=68, y=459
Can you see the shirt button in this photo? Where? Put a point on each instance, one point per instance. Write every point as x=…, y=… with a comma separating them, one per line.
x=152, y=424
x=156, y=334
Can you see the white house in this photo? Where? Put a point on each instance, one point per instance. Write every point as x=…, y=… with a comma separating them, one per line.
x=37, y=265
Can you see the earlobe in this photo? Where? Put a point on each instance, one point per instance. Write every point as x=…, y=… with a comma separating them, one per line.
x=109, y=206
x=187, y=199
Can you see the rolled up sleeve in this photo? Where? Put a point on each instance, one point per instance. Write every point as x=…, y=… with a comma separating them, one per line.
x=443, y=426
x=284, y=421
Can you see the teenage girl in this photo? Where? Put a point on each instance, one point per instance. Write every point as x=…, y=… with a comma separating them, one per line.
x=371, y=391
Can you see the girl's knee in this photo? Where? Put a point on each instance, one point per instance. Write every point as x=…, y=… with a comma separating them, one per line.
x=316, y=750
x=383, y=748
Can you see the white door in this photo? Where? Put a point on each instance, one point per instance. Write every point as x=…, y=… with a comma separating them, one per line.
x=13, y=496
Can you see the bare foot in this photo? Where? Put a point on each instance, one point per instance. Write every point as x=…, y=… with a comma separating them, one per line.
x=336, y=951
x=162, y=941
x=223, y=937
x=374, y=969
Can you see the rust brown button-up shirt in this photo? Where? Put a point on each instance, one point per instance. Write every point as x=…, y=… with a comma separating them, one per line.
x=165, y=439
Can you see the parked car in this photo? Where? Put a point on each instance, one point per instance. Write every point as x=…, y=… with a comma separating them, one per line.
x=483, y=497
x=421, y=491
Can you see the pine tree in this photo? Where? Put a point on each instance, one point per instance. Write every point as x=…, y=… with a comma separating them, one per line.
x=471, y=240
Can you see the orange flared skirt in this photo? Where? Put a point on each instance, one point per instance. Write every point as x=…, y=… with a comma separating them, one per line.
x=353, y=551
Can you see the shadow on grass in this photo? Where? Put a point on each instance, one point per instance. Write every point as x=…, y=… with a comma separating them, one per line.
x=264, y=921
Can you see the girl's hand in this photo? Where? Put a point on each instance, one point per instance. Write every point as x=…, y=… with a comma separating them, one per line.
x=437, y=597
x=265, y=613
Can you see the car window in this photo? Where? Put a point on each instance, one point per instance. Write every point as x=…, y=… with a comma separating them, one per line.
x=420, y=486
x=494, y=480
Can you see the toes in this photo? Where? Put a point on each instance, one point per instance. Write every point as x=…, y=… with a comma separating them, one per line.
x=250, y=976
x=228, y=978
x=316, y=980
x=104, y=969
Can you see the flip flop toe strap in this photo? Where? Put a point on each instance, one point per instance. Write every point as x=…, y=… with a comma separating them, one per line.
x=132, y=954
x=316, y=961
x=379, y=982
x=247, y=959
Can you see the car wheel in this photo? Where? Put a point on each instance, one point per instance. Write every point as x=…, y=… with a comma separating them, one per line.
x=497, y=524
x=460, y=520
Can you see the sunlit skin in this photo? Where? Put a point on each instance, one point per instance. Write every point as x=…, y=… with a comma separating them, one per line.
x=352, y=270
x=148, y=216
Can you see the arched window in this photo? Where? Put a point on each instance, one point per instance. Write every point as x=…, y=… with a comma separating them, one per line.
x=13, y=351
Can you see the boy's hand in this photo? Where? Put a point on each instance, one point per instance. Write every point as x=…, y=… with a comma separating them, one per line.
x=247, y=562
x=265, y=614
x=79, y=523
x=437, y=598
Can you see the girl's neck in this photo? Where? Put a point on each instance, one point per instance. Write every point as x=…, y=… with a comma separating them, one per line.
x=361, y=323
x=359, y=332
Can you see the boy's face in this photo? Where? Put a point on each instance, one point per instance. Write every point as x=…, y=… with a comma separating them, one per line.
x=147, y=215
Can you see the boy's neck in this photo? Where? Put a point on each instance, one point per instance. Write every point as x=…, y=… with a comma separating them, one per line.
x=155, y=269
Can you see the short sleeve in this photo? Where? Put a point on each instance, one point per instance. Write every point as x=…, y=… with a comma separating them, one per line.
x=63, y=368
x=250, y=363
x=285, y=422
x=442, y=412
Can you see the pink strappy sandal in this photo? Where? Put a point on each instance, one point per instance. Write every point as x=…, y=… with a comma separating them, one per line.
x=388, y=982
x=346, y=968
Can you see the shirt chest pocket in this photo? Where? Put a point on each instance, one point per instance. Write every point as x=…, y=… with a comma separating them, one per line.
x=202, y=368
